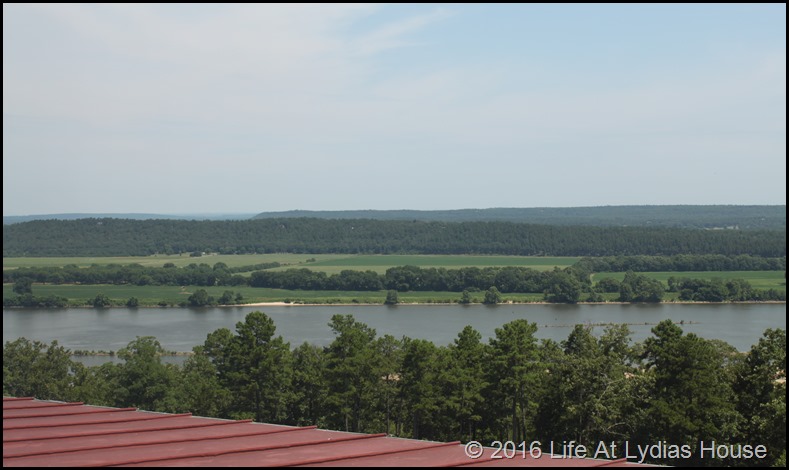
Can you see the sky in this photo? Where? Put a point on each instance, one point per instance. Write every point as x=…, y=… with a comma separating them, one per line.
x=250, y=108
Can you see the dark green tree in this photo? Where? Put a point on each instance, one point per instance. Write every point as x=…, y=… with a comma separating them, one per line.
x=23, y=286
x=33, y=369
x=690, y=400
x=143, y=381
x=419, y=387
x=465, y=382
x=200, y=298
x=309, y=385
x=492, y=296
x=388, y=358
x=391, y=297
x=640, y=288
x=760, y=388
x=562, y=287
x=101, y=301
x=351, y=374
x=262, y=369
x=226, y=298
x=514, y=378
x=198, y=389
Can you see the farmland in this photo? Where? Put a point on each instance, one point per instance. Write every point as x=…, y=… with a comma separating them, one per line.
x=319, y=262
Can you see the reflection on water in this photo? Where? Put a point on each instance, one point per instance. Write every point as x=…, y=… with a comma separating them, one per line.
x=180, y=329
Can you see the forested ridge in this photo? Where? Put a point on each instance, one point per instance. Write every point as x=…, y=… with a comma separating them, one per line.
x=121, y=237
x=688, y=216
x=674, y=388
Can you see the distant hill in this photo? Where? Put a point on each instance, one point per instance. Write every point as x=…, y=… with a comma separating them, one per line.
x=707, y=217
x=15, y=219
x=124, y=237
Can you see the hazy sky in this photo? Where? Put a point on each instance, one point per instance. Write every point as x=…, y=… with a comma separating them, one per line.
x=194, y=109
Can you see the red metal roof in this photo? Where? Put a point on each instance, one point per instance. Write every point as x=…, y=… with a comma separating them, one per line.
x=47, y=433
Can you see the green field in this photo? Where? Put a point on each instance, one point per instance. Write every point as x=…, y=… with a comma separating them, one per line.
x=327, y=263
x=758, y=279
x=380, y=263
x=160, y=260
x=152, y=295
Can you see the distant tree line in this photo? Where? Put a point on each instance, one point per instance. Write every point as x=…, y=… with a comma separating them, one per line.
x=122, y=237
x=569, y=285
x=683, y=262
x=411, y=278
x=674, y=387
x=169, y=275
x=404, y=278
x=719, y=290
x=708, y=216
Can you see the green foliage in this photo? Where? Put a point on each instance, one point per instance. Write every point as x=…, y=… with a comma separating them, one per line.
x=391, y=297
x=562, y=287
x=309, y=386
x=254, y=366
x=640, y=288
x=513, y=374
x=119, y=237
x=101, y=301
x=608, y=285
x=132, y=302
x=690, y=400
x=227, y=298
x=681, y=262
x=23, y=285
x=465, y=383
x=199, y=389
x=351, y=374
x=31, y=368
x=492, y=296
x=143, y=381
x=200, y=298
x=465, y=297
x=760, y=386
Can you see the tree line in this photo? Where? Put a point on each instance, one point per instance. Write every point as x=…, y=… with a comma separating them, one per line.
x=402, y=278
x=122, y=237
x=193, y=274
x=683, y=262
x=569, y=285
x=708, y=216
x=673, y=387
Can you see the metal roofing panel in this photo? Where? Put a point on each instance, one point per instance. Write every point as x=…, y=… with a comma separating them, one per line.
x=154, y=422
x=70, y=420
x=306, y=455
x=44, y=433
x=119, y=440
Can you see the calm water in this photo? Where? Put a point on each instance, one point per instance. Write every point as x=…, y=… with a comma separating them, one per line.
x=179, y=329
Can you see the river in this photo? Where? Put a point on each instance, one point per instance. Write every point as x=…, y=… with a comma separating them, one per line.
x=179, y=329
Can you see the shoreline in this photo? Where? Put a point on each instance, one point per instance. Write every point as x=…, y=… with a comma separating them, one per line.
x=299, y=304
x=360, y=304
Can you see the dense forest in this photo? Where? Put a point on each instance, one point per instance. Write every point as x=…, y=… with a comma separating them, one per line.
x=689, y=216
x=120, y=237
x=674, y=387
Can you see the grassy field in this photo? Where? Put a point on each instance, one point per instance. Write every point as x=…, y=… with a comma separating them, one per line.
x=758, y=279
x=152, y=295
x=178, y=260
x=327, y=263
x=380, y=263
